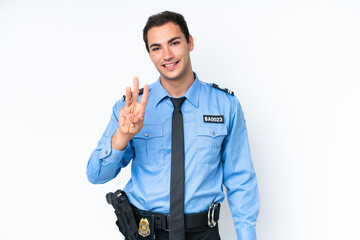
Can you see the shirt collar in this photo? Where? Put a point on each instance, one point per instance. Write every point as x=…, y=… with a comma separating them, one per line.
x=158, y=93
x=193, y=93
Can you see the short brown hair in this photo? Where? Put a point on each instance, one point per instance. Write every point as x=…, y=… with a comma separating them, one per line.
x=161, y=19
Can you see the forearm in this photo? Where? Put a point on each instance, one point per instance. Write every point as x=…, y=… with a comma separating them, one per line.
x=244, y=205
x=105, y=162
x=240, y=178
x=114, y=151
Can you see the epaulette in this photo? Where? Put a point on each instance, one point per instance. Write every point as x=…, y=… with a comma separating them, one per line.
x=222, y=89
x=141, y=90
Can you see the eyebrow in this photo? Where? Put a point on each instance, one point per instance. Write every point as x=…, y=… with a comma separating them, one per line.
x=158, y=44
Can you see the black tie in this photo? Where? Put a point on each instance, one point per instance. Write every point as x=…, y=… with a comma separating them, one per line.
x=177, y=222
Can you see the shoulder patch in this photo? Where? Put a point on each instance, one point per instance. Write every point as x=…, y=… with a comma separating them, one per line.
x=222, y=89
x=141, y=90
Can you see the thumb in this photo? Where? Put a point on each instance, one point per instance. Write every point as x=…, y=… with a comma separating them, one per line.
x=141, y=116
x=131, y=116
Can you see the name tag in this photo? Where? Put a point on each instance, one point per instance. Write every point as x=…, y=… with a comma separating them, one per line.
x=213, y=118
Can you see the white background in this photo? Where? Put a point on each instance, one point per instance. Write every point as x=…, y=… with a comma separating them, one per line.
x=294, y=66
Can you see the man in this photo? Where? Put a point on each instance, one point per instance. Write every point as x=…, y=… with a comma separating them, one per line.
x=184, y=137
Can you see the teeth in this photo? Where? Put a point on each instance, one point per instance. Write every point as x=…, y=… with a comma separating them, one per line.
x=169, y=65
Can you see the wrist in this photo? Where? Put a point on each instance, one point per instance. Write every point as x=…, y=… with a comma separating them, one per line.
x=119, y=141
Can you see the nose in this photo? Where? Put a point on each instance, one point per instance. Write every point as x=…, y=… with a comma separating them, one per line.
x=167, y=54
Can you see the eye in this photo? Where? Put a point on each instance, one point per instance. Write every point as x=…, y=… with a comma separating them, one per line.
x=155, y=49
x=175, y=43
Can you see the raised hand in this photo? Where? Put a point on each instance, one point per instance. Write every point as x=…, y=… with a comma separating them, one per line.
x=131, y=116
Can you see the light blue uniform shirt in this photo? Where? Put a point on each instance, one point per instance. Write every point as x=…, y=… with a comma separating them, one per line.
x=216, y=154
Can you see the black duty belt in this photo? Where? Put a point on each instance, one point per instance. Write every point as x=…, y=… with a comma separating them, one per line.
x=194, y=220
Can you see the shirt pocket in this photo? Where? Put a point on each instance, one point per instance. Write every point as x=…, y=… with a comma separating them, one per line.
x=149, y=145
x=209, y=140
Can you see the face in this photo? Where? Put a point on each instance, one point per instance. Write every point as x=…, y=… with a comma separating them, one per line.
x=170, y=52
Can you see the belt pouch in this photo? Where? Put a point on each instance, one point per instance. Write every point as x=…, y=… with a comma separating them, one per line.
x=126, y=220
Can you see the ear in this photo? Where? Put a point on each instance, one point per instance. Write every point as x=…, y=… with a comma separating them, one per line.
x=191, y=43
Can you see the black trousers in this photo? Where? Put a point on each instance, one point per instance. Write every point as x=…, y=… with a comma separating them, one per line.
x=201, y=233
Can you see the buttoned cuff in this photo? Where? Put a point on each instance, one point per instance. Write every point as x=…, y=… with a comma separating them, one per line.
x=109, y=155
x=246, y=232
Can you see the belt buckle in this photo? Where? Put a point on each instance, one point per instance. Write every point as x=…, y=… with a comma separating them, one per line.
x=211, y=215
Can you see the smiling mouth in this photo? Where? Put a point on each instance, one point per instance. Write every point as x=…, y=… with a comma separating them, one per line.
x=170, y=66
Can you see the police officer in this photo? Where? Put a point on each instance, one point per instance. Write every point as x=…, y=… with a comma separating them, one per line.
x=182, y=135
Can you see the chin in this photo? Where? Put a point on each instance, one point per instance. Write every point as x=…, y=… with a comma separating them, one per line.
x=171, y=77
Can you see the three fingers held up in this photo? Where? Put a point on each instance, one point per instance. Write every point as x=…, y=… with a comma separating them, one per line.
x=136, y=110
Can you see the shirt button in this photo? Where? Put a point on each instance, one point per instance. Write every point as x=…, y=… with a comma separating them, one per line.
x=213, y=133
x=146, y=134
x=105, y=152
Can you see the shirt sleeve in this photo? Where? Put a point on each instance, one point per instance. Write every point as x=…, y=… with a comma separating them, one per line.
x=105, y=163
x=239, y=176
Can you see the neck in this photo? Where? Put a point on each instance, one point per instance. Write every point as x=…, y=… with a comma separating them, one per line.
x=178, y=87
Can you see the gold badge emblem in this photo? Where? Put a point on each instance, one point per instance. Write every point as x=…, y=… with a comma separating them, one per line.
x=144, y=229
